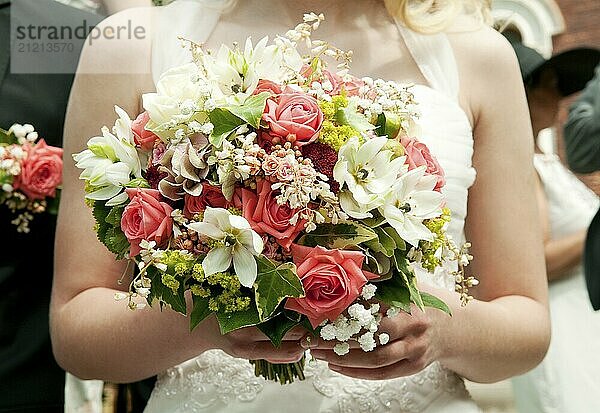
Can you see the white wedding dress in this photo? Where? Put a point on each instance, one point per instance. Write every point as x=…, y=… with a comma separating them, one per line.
x=567, y=381
x=218, y=383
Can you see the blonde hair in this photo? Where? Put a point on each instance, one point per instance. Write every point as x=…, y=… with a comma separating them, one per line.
x=431, y=16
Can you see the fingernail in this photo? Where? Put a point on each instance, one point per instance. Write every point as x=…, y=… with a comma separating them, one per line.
x=308, y=342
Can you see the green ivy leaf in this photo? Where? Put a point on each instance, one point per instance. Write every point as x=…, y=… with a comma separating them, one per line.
x=117, y=242
x=251, y=110
x=100, y=212
x=277, y=328
x=225, y=123
x=114, y=216
x=7, y=138
x=199, y=312
x=340, y=236
x=394, y=292
x=229, y=322
x=433, y=302
x=274, y=284
x=378, y=263
x=400, y=243
x=384, y=243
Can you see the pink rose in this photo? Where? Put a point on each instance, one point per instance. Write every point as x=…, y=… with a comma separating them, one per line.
x=41, y=171
x=146, y=217
x=268, y=86
x=332, y=280
x=266, y=216
x=142, y=137
x=295, y=117
x=211, y=196
x=352, y=86
x=418, y=154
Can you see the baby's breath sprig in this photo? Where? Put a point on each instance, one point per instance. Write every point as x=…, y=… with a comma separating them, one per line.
x=463, y=282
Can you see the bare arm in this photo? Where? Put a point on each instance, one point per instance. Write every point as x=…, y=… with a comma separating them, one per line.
x=505, y=331
x=93, y=335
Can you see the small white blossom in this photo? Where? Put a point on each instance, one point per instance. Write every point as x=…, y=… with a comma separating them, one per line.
x=328, y=332
x=368, y=291
x=341, y=349
x=384, y=338
x=367, y=342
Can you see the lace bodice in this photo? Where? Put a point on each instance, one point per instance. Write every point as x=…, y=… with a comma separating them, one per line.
x=217, y=383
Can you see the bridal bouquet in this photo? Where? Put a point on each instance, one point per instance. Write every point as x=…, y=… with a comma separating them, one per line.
x=274, y=193
x=30, y=174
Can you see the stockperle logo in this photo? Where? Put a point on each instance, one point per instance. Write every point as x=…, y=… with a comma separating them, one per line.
x=47, y=36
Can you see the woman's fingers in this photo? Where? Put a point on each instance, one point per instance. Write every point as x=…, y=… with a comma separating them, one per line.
x=401, y=368
x=382, y=356
x=288, y=352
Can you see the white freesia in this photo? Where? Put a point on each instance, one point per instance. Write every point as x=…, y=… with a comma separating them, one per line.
x=180, y=95
x=411, y=201
x=369, y=171
x=240, y=244
x=110, y=162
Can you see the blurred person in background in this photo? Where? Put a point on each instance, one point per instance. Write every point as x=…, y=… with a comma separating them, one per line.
x=568, y=380
x=582, y=138
x=30, y=379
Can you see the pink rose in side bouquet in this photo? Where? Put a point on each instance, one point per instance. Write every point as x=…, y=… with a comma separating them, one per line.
x=211, y=196
x=332, y=280
x=418, y=154
x=294, y=117
x=266, y=216
x=41, y=171
x=146, y=218
x=142, y=137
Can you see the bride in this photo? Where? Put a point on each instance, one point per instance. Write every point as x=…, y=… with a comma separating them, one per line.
x=474, y=118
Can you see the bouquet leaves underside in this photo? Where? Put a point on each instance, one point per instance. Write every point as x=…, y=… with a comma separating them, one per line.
x=108, y=221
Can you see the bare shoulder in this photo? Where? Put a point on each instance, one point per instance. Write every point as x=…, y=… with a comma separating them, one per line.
x=120, y=44
x=488, y=68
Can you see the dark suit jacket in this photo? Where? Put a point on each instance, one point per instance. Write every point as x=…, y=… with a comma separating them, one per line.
x=30, y=379
x=582, y=138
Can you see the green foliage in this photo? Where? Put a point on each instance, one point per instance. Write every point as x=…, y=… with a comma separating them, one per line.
x=108, y=228
x=7, y=138
x=229, y=322
x=199, y=312
x=350, y=116
x=225, y=123
x=434, y=302
x=388, y=124
x=252, y=109
x=274, y=284
x=384, y=243
x=340, y=236
x=394, y=293
x=278, y=327
x=164, y=294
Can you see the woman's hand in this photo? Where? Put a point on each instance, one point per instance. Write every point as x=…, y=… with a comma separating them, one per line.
x=251, y=344
x=411, y=348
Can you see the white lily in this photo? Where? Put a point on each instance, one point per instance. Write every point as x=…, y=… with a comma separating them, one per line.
x=369, y=171
x=411, y=201
x=240, y=244
x=110, y=162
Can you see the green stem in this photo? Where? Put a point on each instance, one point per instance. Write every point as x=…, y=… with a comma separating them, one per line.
x=283, y=373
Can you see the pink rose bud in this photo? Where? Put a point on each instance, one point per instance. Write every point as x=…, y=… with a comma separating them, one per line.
x=142, y=137
x=418, y=154
x=211, y=196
